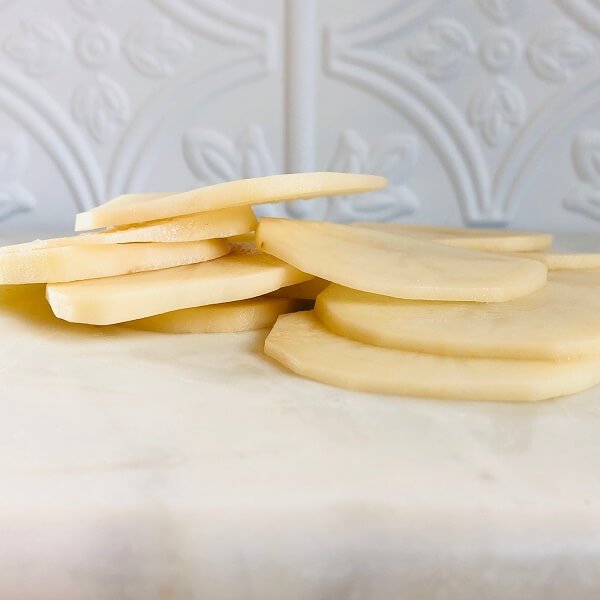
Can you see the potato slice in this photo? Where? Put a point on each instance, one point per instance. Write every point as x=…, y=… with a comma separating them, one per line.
x=246, y=273
x=72, y=263
x=243, y=315
x=128, y=199
x=578, y=277
x=566, y=261
x=226, y=195
x=242, y=237
x=189, y=228
x=559, y=321
x=25, y=301
x=490, y=240
x=307, y=290
x=397, y=265
x=301, y=343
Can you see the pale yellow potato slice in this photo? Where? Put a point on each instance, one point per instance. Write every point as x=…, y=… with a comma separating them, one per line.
x=229, y=317
x=25, y=301
x=245, y=273
x=559, y=321
x=577, y=277
x=396, y=265
x=72, y=263
x=490, y=240
x=307, y=290
x=242, y=237
x=128, y=199
x=189, y=228
x=304, y=345
x=566, y=261
x=226, y=195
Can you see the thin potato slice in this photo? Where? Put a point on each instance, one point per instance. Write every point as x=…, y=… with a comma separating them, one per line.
x=307, y=290
x=189, y=228
x=302, y=344
x=229, y=194
x=243, y=315
x=72, y=263
x=243, y=237
x=578, y=277
x=245, y=273
x=24, y=300
x=567, y=261
x=128, y=199
x=559, y=321
x=490, y=240
x=396, y=265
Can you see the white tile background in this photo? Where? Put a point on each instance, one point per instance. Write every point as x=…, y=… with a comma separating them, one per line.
x=479, y=111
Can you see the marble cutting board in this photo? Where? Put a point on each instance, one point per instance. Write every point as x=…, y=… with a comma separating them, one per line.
x=146, y=466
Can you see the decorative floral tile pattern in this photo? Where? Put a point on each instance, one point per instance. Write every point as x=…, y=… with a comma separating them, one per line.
x=481, y=112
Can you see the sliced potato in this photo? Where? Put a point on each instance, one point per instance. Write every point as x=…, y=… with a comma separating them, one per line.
x=226, y=195
x=243, y=315
x=559, y=321
x=396, y=265
x=566, y=261
x=128, y=199
x=189, y=228
x=25, y=300
x=243, y=237
x=578, y=277
x=307, y=290
x=490, y=240
x=302, y=344
x=246, y=273
x=72, y=263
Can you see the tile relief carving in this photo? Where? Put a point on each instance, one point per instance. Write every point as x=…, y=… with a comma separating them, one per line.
x=509, y=60
x=96, y=46
x=39, y=46
x=155, y=49
x=102, y=118
x=584, y=197
x=442, y=49
x=394, y=156
x=101, y=105
x=15, y=197
x=461, y=80
x=497, y=110
x=557, y=50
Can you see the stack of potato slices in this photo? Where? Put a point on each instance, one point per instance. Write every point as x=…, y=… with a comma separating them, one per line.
x=420, y=311
x=438, y=312
x=164, y=262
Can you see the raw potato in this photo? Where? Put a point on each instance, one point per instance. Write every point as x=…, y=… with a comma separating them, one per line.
x=242, y=237
x=72, y=263
x=245, y=273
x=301, y=343
x=128, y=199
x=243, y=315
x=559, y=321
x=189, y=228
x=226, y=195
x=307, y=290
x=567, y=261
x=25, y=300
x=561, y=262
x=580, y=277
x=396, y=265
x=490, y=240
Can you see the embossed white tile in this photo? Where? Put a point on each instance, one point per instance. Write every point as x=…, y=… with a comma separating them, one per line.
x=483, y=112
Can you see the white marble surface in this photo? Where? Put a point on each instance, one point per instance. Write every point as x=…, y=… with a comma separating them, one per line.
x=147, y=466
